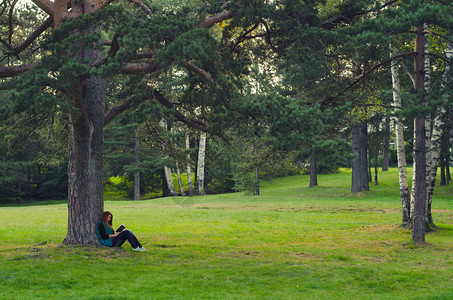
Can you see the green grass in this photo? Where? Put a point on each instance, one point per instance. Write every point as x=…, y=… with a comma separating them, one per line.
x=293, y=242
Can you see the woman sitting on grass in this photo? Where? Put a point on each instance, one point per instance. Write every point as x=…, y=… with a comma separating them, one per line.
x=108, y=237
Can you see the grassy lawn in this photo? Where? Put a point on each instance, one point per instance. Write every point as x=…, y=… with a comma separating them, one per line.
x=293, y=242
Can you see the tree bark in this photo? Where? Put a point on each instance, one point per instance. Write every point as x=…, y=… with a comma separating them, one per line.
x=364, y=155
x=447, y=170
x=443, y=180
x=400, y=148
x=313, y=173
x=137, y=164
x=359, y=164
x=257, y=171
x=189, y=171
x=386, y=145
x=418, y=219
x=85, y=145
x=201, y=163
x=169, y=179
x=436, y=145
x=376, y=156
x=181, y=187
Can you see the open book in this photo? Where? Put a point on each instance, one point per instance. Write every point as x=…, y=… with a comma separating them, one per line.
x=121, y=228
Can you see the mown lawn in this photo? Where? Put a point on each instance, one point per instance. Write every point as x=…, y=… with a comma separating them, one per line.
x=293, y=242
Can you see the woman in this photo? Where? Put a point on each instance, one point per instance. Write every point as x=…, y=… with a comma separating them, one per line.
x=108, y=237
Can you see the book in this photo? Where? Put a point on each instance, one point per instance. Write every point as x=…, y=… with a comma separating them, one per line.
x=121, y=228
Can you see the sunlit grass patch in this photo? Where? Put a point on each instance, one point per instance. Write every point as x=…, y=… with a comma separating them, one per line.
x=293, y=242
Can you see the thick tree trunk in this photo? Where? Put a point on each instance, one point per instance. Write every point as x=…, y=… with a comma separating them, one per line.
x=400, y=149
x=313, y=173
x=201, y=163
x=137, y=164
x=85, y=143
x=189, y=171
x=418, y=219
x=386, y=145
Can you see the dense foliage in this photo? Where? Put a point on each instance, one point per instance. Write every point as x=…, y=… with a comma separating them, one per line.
x=273, y=85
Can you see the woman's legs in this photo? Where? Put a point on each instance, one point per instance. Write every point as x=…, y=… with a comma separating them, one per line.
x=126, y=235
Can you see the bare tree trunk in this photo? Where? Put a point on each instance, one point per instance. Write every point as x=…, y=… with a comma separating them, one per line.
x=376, y=155
x=201, y=163
x=364, y=155
x=181, y=187
x=189, y=171
x=137, y=164
x=359, y=164
x=257, y=171
x=443, y=178
x=169, y=179
x=447, y=170
x=313, y=173
x=418, y=219
x=435, y=146
x=401, y=152
x=370, y=178
x=85, y=143
x=356, y=185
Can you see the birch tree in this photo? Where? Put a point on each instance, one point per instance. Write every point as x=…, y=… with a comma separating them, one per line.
x=400, y=148
x=201, y=163
x=189, y=171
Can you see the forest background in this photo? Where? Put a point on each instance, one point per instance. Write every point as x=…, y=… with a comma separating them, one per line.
x=122, y=96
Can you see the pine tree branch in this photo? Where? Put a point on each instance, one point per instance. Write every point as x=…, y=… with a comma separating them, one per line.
x=203, y=74
x=374, y=68
x=32, y=37
x=348, y=16
x=45, y=5
x=214, y=19
x=15, y=70
x=116, y=110
x=179, y=116
x=135, y=68
x=142, y=6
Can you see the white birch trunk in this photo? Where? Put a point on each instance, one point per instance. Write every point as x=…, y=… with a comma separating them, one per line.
x=189, y=170
x=428, y=122
x=169, y=179
x=201, y=163
x=137, y=164
x=401, y=152
x=435, y=143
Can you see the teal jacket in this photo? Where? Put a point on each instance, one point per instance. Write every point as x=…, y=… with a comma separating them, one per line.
x=108, y=231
